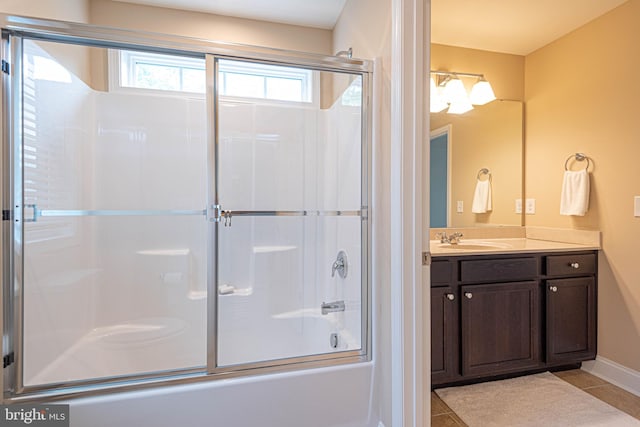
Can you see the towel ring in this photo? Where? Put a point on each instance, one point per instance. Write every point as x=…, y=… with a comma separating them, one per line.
x=579, y=157
x=483, y=171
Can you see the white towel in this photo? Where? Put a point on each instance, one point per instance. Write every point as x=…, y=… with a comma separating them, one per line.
x=575, y=193
x=482, y=197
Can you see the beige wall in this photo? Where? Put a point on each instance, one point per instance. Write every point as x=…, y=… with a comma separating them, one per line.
x=365, y=25
x=67, y=10
x=581, y=95
x=91, y=65
x=211, y=27
x=76, y=59
x=489, y=136
x=205, y=26
x=504, y=71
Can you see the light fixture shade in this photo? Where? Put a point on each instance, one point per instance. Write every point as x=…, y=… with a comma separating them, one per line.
x=481, y=93
x=460, y=107
x=437, y=102
x=454, y=91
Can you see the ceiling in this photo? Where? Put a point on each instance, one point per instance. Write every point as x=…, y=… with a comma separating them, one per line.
x=510, y=26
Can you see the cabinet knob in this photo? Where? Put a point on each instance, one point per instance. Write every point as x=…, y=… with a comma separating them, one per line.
x=553, y=288
x=450, y=297
x=469, y=295
x=574, y=265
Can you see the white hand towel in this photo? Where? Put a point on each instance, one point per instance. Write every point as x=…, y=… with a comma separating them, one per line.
x=575, y=193
x=482, y=197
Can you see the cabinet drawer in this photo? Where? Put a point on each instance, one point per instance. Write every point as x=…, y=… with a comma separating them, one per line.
x=498, y=270
x=441, y=272
x=571, y=265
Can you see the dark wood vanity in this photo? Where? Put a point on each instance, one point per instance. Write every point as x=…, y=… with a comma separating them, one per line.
x=500, y=315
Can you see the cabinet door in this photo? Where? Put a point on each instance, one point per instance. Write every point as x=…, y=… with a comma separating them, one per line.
x=571, y=319
x=500, y=327
x=444, y=346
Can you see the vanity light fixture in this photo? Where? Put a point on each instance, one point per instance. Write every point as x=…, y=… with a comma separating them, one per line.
x=460, y=107
x=447, y=89
x=481, y=92
x=454, y=91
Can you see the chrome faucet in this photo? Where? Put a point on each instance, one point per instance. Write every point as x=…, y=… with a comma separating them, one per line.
x=332, y=307
x=453, y=239
x=340, y=265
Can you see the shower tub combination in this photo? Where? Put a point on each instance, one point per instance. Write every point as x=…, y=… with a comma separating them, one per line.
x=195, y=216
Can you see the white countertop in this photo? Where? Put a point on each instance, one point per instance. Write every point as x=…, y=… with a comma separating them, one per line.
x=503, y=246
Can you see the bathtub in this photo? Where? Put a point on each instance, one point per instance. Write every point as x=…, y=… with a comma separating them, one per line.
x=124, y=349
x=156, y=344
x=309, y=398
x=338, y=396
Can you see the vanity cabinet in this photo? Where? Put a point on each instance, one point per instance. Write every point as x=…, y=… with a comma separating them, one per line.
x=444, y=322
x=499, y=328
x=443, y=315
x=570, y=308
x=497, y=315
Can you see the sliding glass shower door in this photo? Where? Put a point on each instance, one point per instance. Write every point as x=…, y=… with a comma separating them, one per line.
x=181, y=214
x=114, y=230
x=290, y=199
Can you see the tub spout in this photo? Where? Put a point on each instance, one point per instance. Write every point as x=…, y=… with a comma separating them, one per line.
x=332, y=307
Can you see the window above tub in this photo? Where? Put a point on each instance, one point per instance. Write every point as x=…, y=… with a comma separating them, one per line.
x=180, y=75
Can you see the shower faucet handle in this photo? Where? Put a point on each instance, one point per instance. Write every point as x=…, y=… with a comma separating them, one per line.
x=340, y=265
x=337, y=265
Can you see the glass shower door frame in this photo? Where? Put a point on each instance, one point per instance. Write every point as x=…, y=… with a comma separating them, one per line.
x=13, y=276
x=219, y=215
x=11, y=189
x=12, y=184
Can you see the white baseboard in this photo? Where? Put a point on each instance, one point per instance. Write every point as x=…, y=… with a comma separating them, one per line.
x=614, y=373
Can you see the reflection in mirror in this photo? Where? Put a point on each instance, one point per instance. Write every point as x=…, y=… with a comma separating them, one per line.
x=489, y=136
x=440, y=182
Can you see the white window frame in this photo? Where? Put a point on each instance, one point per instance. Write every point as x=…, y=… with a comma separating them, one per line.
x=120, y=72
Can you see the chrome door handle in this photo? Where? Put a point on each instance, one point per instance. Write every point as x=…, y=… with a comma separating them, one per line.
x=332, y=307
x=469, y=295
x=553, y=288
x=450, y=297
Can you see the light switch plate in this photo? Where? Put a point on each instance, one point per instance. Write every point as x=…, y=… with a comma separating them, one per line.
x=518, y=206
x=636, y=206
x=530, y=206
x=460, y=206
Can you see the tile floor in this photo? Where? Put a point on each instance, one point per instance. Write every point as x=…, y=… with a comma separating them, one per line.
x=443, y=416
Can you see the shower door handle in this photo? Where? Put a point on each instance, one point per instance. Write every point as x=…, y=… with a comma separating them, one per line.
x=332, y=307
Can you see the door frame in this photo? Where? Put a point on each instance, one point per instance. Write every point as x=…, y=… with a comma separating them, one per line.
x=410, y=325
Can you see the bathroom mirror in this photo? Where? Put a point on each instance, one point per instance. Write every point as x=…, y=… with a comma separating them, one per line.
x=489, y=136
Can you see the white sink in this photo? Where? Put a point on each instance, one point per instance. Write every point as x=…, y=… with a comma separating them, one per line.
x=475, y=245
